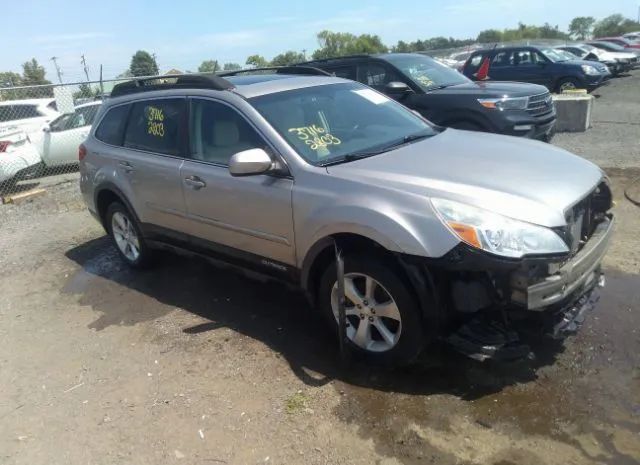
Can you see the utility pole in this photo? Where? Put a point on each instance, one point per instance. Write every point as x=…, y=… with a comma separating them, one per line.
x=84, y=65
x=55, y=63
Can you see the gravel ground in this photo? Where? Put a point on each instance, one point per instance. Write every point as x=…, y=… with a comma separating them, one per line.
x=189, y=363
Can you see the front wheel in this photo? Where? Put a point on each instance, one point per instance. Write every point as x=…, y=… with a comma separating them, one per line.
x=126, y=236
x=383, y=319
x=568, y=84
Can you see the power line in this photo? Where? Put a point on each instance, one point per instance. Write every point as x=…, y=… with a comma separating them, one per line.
x=55, y=63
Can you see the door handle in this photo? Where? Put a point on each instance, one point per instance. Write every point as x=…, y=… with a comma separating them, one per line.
x=195, y=182
x=126, y=166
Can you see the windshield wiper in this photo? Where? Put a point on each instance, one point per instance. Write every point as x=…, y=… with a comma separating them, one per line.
x=370, y=153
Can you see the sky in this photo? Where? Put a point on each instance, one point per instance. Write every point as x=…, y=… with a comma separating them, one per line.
x=184, y=33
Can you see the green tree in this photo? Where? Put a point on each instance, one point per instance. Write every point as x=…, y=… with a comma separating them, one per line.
x=143, y=64
x=231, y=67
x=401, y=47
x=33, y=73
x=10, y=79
x=85, y=91
x=489, y=36
x=333, y=44
x=257, y=61
x=581, y=27
x=614, y=25
x=208, y=66
x=290, y=57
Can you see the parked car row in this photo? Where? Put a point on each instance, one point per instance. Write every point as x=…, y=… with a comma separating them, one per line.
x=442, y=232
x=34, y=135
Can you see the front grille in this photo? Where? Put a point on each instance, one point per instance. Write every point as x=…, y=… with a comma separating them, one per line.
x=584, y=216
x=540, y=105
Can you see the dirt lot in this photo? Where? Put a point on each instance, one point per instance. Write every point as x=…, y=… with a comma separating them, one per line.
x=194, y=364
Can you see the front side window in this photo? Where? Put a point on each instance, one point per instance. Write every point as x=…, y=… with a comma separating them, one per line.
x=80, y=118
x=217, y=131
x=329, y=123
x=375, y=75
x=428, y=73
x=154, y=126
x=112, y=125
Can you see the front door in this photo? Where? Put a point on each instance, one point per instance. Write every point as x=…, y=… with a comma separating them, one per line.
x=59, y=145
x=239, y=215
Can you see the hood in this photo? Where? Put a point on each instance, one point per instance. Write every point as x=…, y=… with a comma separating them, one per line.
x=623, y=55
x=580, y=63
x=519, y=178
x=493, y=89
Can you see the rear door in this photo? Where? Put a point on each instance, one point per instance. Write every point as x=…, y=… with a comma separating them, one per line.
x=148, y=164
x=521, y=65
x=249, y=217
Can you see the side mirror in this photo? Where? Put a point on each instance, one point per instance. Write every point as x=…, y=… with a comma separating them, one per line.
x=250, y=162
x=397, y=88
x=46, y=128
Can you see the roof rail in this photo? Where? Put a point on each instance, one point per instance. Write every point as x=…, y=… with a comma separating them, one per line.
x=185, y=81
x=294, y=69
x=324, y=60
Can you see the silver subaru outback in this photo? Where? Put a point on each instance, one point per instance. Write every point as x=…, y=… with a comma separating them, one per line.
x=446, y=234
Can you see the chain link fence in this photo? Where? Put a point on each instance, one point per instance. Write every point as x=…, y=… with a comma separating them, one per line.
x=41, y=128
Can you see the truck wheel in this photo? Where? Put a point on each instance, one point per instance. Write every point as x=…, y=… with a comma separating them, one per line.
x=126, y=236
x=383, y=318
x=568, y=84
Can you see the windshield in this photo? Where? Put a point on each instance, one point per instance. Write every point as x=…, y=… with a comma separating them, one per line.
x=426, y=72
x=330, y=123
x=557, y=56
x=610, y=46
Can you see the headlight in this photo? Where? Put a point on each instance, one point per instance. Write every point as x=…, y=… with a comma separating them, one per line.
x=590, y=70
x=496, y=233
x=506, y=103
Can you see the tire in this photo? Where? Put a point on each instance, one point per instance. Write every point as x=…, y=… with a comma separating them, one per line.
x=567, y=84
x=127, y=238
x=405, y=335
x=466, y=126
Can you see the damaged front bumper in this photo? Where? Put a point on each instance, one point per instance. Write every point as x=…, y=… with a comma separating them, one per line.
x=581, y=272
x=484, y=295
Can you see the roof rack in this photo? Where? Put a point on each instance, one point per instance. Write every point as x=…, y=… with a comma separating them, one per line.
x=187, y=81
x=305, y=70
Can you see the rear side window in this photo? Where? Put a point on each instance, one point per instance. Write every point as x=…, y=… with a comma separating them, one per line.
x=376, y=75
x=345, y=72
x=25, y=111
x=154, y=126
x=502, y=59
x=111, y=126
x=6, y=113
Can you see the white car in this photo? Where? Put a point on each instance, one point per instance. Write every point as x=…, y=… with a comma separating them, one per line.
x=58, y=141
x=26, y=115
x=18, y=157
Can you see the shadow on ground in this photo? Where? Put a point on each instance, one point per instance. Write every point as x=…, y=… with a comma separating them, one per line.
x=274, y=314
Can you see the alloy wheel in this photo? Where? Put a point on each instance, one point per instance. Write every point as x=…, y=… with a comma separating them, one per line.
x=374, y=322
x=125, y=236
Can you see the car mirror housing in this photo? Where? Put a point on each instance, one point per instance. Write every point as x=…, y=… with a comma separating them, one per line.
x=250, y=162
x=397, y=88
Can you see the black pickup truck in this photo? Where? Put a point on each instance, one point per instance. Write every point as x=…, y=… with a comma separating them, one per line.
x=447, y=98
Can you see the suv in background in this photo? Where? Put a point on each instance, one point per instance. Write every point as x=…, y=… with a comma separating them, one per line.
x=446, y=97
x=529, y=64
x=439, y=229
x=617, y=62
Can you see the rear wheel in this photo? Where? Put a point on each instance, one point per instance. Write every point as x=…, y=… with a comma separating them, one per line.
x=383, y=318
x=126, y=236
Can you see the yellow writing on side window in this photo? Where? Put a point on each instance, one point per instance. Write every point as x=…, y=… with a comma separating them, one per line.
x=315, y=136
x=155, y=118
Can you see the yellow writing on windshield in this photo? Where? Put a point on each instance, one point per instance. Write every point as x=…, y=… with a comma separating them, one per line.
x=315, y=136
x=155, y=118
x=424, y=80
